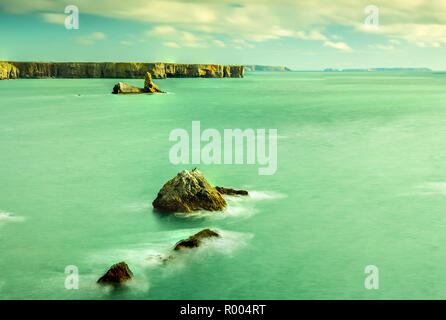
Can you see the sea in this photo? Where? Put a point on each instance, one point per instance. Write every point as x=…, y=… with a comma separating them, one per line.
x=359, y=192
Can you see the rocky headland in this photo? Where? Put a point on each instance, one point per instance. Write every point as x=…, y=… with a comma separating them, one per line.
x=256, y=67
x=131, y=70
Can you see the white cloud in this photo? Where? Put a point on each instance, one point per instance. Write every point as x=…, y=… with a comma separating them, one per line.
x=57, y=18
x=219, y=43
x=171, y=44
x=419, y=22
x=337, y=45
x=382, y=47
x=91, y=38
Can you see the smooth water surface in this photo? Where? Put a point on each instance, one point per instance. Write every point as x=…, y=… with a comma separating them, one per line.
x=361, y=180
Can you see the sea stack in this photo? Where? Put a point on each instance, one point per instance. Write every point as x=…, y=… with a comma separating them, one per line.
x=187, y=192
x=117, y=274
x=149, y=87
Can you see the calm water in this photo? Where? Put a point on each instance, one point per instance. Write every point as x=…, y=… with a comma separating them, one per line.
x=361, y=180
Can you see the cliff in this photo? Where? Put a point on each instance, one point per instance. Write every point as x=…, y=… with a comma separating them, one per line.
x=7, y=71
x=256, y=67
x=135, y=70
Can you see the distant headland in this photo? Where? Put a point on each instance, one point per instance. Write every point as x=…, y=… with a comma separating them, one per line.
x=256, y=67
x=136, y=70
x=379, y=70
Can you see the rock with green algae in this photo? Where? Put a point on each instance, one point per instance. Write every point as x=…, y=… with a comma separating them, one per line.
x=188, y=191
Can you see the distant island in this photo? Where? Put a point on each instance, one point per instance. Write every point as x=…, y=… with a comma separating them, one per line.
x=256, y=67
x=379, y=70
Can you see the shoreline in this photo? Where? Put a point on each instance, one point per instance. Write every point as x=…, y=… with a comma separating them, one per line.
x=130, y=70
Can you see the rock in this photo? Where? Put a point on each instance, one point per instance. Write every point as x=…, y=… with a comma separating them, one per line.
x=149, y=86
x=8, y=71
x=196, y=240
x=187, y=192
x=231, y=192
x=117, y=274
x=124, y=88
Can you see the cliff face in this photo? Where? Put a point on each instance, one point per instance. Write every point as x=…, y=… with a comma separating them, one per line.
x=7, y=71
x=31, y=70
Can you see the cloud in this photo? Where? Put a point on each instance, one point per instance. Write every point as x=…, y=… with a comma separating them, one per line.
x=91, y=38
x=176, y=38
x=171, y=44
x=58, y=18
x=382, y=47
x=338, y=45
x=219, y=43
x=419, y=22
x=422, y=35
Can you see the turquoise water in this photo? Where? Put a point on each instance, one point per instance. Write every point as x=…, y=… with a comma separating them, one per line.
x=361, y=180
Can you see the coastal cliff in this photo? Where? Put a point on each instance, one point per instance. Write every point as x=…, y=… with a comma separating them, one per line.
x=133, y=70
x=7, y=71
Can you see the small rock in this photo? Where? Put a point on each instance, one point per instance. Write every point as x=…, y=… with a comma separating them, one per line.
x=117, y=274
x=231, y=192
x=195, y=240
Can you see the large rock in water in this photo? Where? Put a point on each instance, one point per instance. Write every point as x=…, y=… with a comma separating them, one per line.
x=124, y=88
x=117, y=274
x=195, y=240
x=149, y=87
x=188, y=191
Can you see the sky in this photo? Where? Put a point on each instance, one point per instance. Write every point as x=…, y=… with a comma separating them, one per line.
x=300, y=34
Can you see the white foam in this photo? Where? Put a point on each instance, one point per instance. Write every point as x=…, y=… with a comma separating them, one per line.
x=431, y=188
x=9, y=217
x=238, y=206
x=146, y=259
x=266, y=195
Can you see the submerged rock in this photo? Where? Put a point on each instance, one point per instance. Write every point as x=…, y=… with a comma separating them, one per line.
x=187, y=192
x=195, y=240
x=117, y=274
x=231, y=192
x=149, y=87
